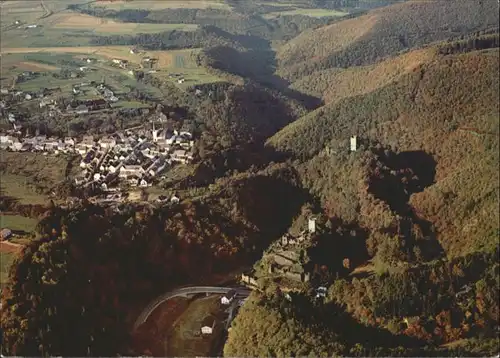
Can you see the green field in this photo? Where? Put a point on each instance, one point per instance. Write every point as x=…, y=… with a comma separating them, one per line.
x=307, y=12
x=6, y=259
x=58, y=26
x=62, y=38
x=18, y=222
x=186, y=339
x=25, y=172
x=19, y=188
x=183, y=64
x=164, y=4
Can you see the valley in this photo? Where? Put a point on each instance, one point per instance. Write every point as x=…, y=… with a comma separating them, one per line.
x=335, y=163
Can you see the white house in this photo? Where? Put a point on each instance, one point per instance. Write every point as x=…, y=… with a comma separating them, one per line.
x=228, y=297
x=69, y=141
x=81, y=149
x=16, y=146
x=170, y=140
x=128, y=170
x=107, y=142
x=112, y=169
x=174, y=199
x=208, y=325
x=7, y=139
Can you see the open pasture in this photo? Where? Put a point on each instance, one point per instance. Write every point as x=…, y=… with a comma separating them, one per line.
x=164, y=4
x=186, y=339
x=306, y=12
x=180, y=62
x=102, y=26
x=6, y=259
x=17, y=223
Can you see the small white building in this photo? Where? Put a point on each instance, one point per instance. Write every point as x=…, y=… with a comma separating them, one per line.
x=69, y=141
x=112, y=169
x=312, y=225
x=175, y=199
x=228, y=297
x=354, y=144
x=208, y=325
x=128, y=170
x=107, y=143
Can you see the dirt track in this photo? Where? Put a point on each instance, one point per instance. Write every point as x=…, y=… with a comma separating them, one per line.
x=6, y=246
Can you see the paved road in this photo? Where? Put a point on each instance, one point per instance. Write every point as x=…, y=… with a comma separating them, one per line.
x=240, y=292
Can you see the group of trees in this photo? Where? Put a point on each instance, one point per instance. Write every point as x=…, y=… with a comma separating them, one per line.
x=439, y=302
x=281, y=28
x=277, y=324
x=91, y=265
x=397, y=29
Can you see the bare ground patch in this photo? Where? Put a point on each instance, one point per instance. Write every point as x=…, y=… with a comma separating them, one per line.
x=34, y=66
x=165, y=4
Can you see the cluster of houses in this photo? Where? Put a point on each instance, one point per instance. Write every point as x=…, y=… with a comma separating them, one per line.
x=36, y=144
x=10, y=97
x=136, y=158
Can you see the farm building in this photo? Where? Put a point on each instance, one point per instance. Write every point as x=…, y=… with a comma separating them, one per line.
x=208, y=325
x=228, y=297
x=5, y=234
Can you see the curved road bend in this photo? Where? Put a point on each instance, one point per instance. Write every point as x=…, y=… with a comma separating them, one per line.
x=184, y=292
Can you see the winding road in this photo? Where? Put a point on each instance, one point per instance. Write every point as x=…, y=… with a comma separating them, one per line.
x=186, y=291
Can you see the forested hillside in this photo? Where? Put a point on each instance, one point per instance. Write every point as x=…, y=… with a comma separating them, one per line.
x=91, y=266
x=446, y=108
x=407, y=225
x=383, y=32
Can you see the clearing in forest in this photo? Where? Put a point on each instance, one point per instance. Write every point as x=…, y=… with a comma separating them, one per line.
x=162, y=4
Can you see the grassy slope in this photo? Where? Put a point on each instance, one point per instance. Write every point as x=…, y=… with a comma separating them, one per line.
x=6, y=259
x=422, y=110
x=22, y=173
x=18, y=222
x=383, y=32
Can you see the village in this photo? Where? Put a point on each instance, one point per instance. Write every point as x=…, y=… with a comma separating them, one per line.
x=132, y=157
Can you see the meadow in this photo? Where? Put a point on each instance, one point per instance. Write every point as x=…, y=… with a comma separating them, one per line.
x=306, y=12
x=185, y=339
x=17, y=223
x=58, y=26
x=19, y=188
x=51, y=60
x=161, y=4
x=6, y=259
